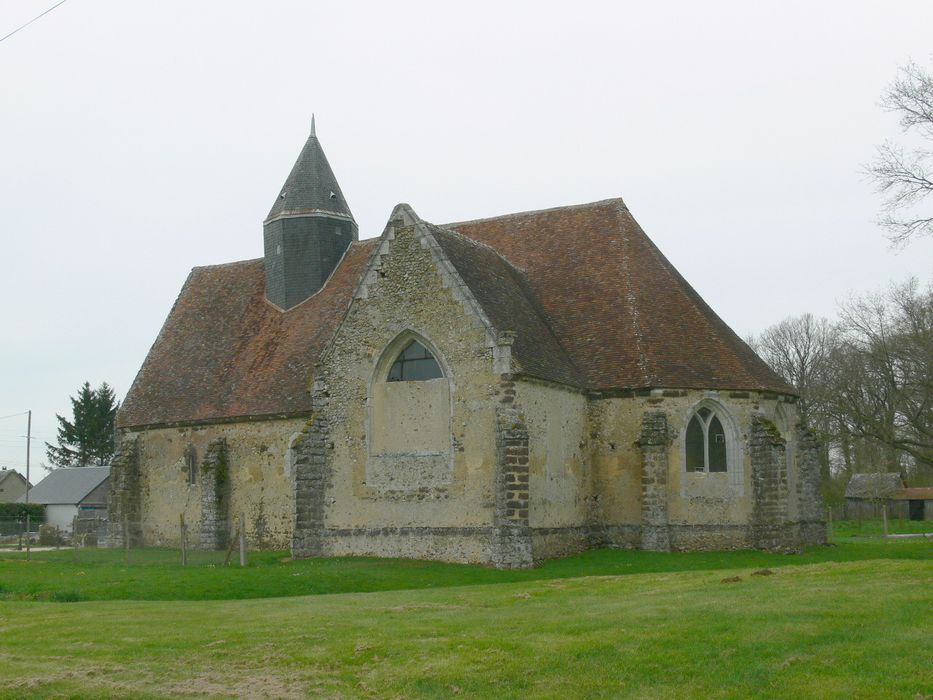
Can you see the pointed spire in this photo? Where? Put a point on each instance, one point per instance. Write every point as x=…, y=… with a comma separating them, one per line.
x=311, y=185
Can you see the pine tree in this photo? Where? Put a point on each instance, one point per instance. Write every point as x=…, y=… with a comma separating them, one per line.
x=87, y=439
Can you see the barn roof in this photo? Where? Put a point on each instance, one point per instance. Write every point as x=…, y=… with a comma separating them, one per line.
x=67, y=486
x=594, y=304
x=916, y=493
x=874, y=485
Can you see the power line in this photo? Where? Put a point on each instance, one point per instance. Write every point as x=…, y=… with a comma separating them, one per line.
x=13, y=415
x=61, y=2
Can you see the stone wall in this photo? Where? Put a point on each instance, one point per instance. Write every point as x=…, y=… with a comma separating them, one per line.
x=258, y=483
x=654, y=442
x=556, y=421
x=512, y=536
x=628, y=499
x=124, y=504
x=769, y=522
x=811, y=511
x=411, y=491
x=215, y=496
x=312, y=479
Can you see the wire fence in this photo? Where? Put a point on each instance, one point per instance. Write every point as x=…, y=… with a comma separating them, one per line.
x=94, y=537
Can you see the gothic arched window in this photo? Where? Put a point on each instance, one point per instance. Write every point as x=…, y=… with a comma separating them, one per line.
x=414, y=364
x=409, y=417
x=706, y=445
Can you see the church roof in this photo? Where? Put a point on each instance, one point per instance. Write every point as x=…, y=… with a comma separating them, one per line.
x=507, y=298
x=625, y=315
x=311, y=186
x=226, y=352
x=592, y=301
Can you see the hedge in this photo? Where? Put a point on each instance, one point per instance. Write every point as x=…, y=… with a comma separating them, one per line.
x=13, y=517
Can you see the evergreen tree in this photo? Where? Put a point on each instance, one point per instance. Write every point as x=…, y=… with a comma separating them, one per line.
x=87, y=439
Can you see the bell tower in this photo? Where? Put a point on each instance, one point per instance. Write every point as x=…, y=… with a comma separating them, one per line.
x=307, y=230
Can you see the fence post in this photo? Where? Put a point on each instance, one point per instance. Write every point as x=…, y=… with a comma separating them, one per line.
x=231, y=545
x=242, y=539
x=829, y=523
x=74, y=536
x=126, y=540
x=884, y=517
x=28, y=550
x=184, y=540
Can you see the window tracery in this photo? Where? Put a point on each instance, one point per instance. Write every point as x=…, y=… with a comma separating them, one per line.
x=414, y=364
x=706, y=444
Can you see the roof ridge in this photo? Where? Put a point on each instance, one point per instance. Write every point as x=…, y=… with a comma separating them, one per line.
x=479, y=244
x=226, y=264
x=532, y=212
x=631, y=300
x=520, y=277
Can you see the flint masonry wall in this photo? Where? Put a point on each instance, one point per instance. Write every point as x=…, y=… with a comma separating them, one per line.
x=702, y=511
x=258, y=483
x=437, y=498
x=124, y=502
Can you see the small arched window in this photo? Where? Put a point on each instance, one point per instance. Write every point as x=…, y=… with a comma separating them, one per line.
x=191, y=464
x=414, y=364
x=706, y=442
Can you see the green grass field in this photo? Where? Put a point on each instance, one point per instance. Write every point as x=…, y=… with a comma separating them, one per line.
x=853, y=620
x=845, y=529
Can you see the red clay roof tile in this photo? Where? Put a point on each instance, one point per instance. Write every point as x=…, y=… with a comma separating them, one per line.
x=594, y=302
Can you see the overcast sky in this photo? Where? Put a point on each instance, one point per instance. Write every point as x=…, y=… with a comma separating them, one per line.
x=138, y=140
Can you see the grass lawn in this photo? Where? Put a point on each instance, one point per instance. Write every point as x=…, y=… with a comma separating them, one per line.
x=858, y=629
x=157, y=574
x=849, y=621
x=844, y=529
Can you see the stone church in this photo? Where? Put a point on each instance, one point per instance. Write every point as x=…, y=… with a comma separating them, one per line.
x=503, y=391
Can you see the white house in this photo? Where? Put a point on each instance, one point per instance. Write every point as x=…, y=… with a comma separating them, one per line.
x=70, y=492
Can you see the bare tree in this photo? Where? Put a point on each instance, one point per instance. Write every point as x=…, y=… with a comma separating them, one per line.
x=903, y=177
x=798, y=349
x=882, y=373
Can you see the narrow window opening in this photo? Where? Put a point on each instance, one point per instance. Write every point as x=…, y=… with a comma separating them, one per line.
x=191, y=464
x=717, y=446
x=696, y=459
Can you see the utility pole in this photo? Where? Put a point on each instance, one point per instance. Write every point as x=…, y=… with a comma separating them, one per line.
x=28, y=445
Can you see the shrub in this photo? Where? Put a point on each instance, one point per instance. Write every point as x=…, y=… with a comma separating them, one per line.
x=50, y=536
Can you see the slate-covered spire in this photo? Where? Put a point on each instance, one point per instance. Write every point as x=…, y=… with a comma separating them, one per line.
x=307, y=230
x=311, y=185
